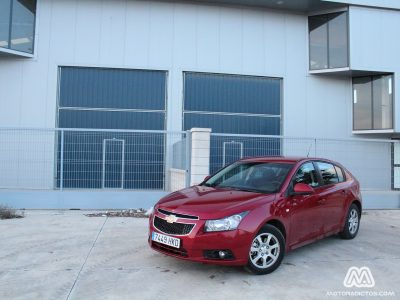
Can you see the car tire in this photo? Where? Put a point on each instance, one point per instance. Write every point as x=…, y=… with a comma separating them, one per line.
x=352, y=223
x=266, y=251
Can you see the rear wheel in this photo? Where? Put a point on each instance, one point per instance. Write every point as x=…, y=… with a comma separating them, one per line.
x=266, y=251
x=352, y=224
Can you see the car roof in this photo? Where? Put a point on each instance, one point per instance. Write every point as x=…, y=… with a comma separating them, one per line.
x=282, y=159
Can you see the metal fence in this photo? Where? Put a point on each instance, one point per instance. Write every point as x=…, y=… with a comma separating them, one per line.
x=370, y=161
x=58, y=159
x=89, y=159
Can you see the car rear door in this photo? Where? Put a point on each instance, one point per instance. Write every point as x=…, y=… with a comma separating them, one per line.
x=332, y=196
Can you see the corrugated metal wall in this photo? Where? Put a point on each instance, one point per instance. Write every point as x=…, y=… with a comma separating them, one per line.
x=233, y=104
x=111, y=99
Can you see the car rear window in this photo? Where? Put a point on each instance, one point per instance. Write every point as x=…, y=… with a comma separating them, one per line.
x=328, y=173
x=340, y=174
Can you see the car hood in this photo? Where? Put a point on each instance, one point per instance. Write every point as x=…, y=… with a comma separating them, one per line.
x=212, y=203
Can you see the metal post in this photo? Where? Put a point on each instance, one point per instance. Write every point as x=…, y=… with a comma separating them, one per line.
x=188, y=157
x=123, y=164
x=62, y=161
x=103, y=173
x=315, y=147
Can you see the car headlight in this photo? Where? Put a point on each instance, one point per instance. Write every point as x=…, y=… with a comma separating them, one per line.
x=225, y=224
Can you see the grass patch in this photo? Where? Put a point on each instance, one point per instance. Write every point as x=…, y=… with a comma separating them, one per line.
x=10, y=213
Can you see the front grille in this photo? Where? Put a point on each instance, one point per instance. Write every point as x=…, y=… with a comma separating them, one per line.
x=172, y=228
x=182, y=216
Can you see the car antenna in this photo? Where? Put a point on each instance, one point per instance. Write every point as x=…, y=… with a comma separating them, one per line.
x=309, y=149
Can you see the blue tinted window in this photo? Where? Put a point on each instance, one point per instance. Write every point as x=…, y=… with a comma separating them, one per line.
x=17, y=24
x=5, y=6
x=110, y=119
x=328, y=41
x=112, y=88
x=23, y=25
x=328, y=173
x=233, y=124
x=232, y=93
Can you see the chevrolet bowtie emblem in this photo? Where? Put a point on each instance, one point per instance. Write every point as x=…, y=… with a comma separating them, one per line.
x=171, y=219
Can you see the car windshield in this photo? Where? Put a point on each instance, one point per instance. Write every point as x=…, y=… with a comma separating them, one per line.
x=259, y=177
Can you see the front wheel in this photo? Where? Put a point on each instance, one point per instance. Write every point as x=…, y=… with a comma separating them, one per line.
x=352, y=224
x=266, y=251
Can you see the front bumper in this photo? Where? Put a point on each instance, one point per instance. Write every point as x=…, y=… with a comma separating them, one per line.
x=197, y=243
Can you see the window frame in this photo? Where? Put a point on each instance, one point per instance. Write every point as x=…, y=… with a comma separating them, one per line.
x=291, y=183
x=343, y=173
x=371, y=77
x=326, y=15
x=320, y=173
x=10, y=30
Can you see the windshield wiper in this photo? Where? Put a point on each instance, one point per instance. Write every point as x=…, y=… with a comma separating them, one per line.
x=244, y=189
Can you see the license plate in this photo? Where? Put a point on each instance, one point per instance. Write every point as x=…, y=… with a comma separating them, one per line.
x=165, y=239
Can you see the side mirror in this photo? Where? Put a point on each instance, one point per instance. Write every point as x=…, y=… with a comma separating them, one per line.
x=207, y=177
x=302, y=189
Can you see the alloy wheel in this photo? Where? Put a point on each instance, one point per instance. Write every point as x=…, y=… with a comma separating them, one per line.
x=353, y=221
x=264, y=250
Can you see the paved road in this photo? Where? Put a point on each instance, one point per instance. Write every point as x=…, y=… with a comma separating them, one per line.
x=65, y=255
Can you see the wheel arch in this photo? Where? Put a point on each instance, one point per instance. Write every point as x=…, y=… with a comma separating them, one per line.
x=278, y=224
x=358, y=203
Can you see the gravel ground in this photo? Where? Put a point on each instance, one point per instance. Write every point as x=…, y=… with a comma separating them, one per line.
x=129, y=213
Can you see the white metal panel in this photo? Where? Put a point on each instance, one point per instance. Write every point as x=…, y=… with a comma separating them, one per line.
x=327, y=113
x=296, y=113
x=253, y=34
x=56, y=30
x=231, y=40
x=175, y=37
x=87, y=31
x=274, y=40
x=137, y=30
x=185, y=36
x=208, y=37
x=394, y=4
x=10, y=92
x=161, y=35
x=374, y=45
x=113, y=35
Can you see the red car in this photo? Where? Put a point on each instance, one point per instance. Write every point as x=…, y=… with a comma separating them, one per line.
x=255, y=210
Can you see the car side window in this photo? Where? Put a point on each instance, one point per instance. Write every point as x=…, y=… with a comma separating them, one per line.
x=307, y=175
x=340, y=174
x=328, y=173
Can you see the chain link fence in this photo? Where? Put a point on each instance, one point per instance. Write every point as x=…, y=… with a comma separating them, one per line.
x=67, y=159
x=90, y=159
x=371, y=161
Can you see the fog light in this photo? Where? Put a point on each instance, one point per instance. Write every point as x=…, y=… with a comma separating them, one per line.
x=222, y=254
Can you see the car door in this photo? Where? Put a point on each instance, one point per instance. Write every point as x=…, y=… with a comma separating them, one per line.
x=332, y=196
x=305, y=218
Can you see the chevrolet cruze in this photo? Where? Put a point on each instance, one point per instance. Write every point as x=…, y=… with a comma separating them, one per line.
x=255, y=210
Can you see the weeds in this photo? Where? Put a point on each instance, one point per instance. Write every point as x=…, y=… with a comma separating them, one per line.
x=10, y=213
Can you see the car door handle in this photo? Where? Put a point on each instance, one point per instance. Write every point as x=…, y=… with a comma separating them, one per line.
x=321, y=201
